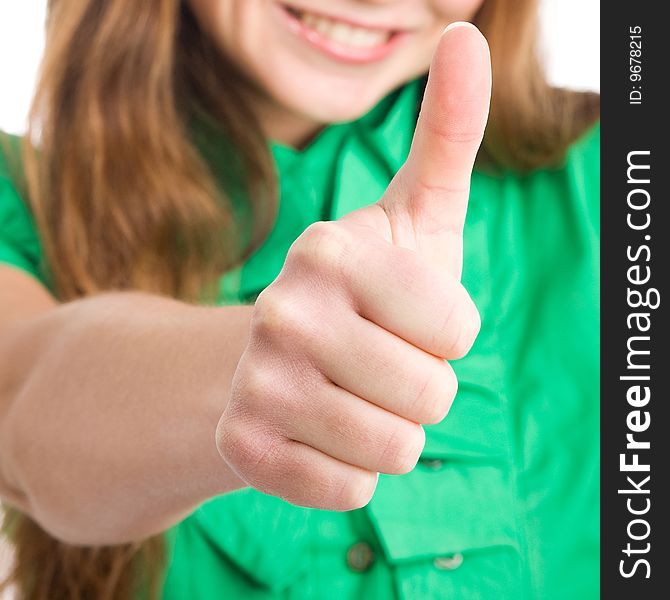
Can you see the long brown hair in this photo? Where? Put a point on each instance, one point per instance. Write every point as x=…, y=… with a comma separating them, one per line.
x=123, y=199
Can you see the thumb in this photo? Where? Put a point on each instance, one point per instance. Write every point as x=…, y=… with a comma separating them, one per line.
x=428, y=197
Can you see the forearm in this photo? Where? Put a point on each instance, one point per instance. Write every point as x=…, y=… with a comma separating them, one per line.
x=108, y=409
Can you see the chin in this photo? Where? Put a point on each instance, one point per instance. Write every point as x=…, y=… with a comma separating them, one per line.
x=328, y=100
x=335, y=110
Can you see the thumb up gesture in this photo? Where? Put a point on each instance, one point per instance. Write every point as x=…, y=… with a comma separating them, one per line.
x=346, y=358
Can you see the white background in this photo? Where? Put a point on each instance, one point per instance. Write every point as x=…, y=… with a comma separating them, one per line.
x=571, y=49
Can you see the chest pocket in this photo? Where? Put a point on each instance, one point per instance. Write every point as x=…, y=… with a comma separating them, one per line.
x=262, y=536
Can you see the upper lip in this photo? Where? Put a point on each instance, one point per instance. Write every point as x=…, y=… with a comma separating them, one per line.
x=345, y=19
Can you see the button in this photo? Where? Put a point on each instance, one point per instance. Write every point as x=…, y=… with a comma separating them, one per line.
x=434, y=464
x=449, y=563
x=360, y=557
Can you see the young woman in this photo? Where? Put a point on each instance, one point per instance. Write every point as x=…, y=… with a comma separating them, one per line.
x=207, y=229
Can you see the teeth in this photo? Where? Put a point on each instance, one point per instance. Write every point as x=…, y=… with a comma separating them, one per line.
x=343, y=33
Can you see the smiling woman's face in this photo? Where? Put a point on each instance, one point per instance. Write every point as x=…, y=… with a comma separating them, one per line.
x=324, y=61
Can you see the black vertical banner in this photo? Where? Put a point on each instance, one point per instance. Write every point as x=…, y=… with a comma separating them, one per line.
x=635, y=363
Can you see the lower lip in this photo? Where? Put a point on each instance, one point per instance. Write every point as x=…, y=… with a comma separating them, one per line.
x=336, y=50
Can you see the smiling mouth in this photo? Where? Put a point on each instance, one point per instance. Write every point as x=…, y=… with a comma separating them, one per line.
x=340, y=39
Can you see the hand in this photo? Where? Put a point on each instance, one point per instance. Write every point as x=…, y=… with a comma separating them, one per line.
x=347, y=347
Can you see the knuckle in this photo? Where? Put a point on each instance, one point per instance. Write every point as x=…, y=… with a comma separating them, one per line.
x=251, y=455
x=455, y=135
x=403, y=449
x=226, y=437
x=324, y=245
x=424, y=193
x=276, y=316
x=253, y=386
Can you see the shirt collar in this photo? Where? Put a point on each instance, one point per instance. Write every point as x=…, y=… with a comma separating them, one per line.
x=384, y=130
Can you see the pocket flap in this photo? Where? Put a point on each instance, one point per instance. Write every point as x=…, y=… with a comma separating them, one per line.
x=458, y=508
x=263, y=536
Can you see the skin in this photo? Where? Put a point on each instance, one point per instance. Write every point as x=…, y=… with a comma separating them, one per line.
x=323, y=90
x=109, y=405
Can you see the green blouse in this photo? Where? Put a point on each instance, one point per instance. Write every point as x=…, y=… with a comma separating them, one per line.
x=504, y=503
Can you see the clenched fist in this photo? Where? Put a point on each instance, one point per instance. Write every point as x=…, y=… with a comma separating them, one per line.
x=346, y=358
